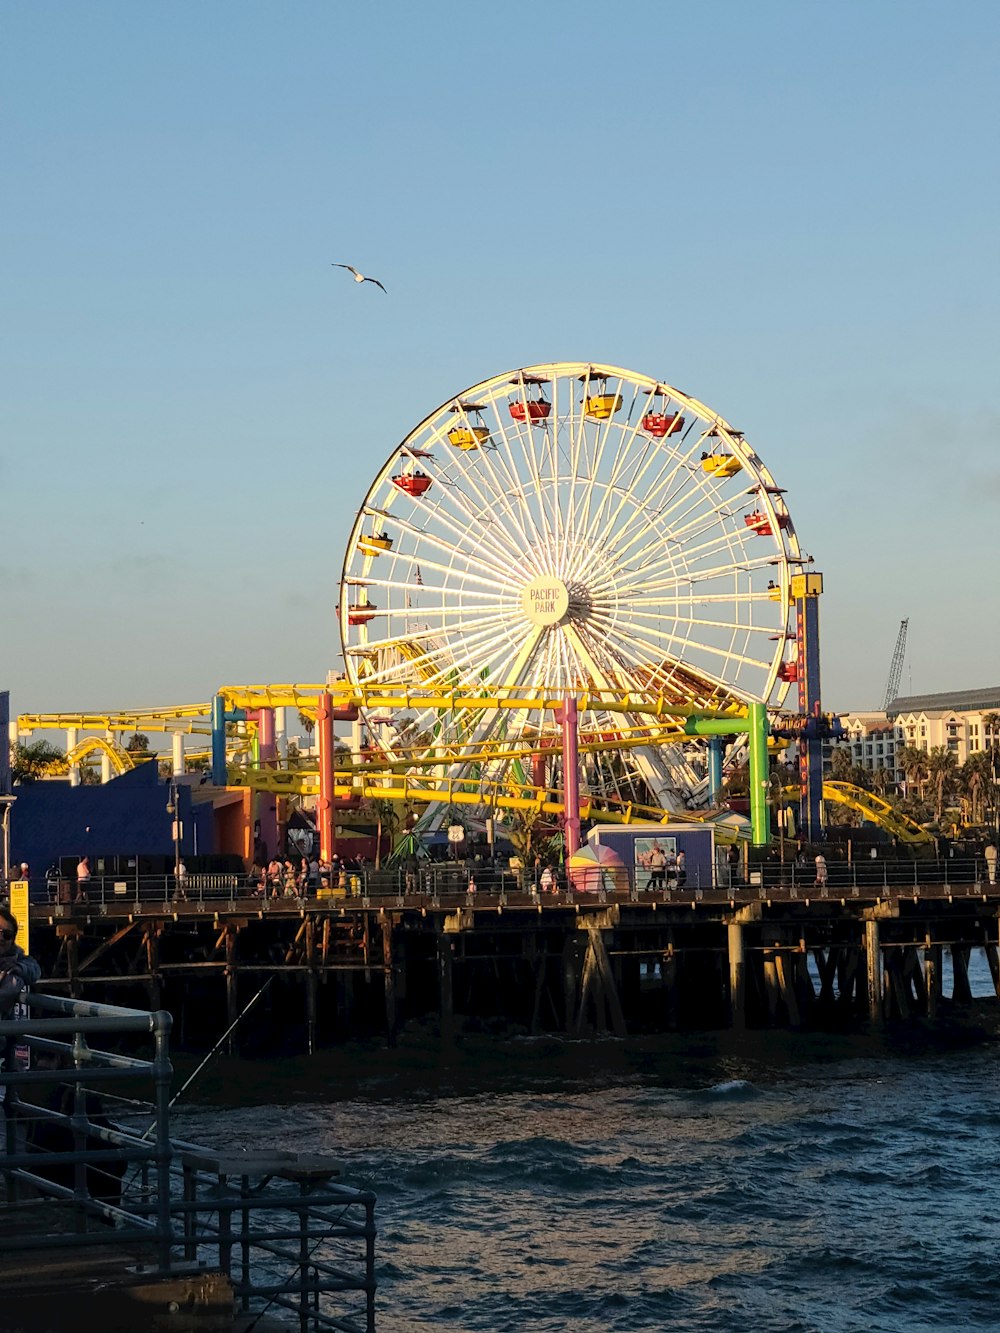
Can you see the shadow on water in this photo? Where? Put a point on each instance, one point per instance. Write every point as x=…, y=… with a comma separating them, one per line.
x=421, y=1066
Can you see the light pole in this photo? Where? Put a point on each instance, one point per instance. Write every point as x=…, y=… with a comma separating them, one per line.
x=176, y=830
x=5, y=806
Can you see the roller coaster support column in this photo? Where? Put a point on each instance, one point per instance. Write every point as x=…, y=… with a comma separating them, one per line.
x=325, y=826
x=567, y=715
x=72, y=736
x=714, y=769
x=806, y=590
x=760, y=825
x=218, y=740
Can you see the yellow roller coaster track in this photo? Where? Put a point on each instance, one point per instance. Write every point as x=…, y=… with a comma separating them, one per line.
x=876, y=810
x=469, y=791
x=345, y=695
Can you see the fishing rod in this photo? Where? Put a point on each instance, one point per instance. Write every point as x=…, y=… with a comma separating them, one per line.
x=213, y=1052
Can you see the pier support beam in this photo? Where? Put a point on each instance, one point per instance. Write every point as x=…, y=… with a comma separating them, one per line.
x=961, y=990
x=737, y=976
x=389, y=974
x=446, y=958
x=873, y=967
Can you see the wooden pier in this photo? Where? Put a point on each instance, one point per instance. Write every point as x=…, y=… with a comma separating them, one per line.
x=362, y=968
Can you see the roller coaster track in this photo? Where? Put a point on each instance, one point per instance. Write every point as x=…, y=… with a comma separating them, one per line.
x=470, y=791
x=876, y=810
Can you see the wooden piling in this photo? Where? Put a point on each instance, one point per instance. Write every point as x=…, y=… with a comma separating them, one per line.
x=445, y=957
x=737, y=976
x=873, y=968
x=389, y=974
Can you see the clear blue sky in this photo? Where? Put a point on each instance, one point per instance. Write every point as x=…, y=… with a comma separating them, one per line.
x=788, y=210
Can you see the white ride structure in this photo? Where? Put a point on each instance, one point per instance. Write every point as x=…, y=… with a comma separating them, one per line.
x=569, y=527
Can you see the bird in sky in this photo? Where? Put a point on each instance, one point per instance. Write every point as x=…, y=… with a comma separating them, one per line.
x=359, y=277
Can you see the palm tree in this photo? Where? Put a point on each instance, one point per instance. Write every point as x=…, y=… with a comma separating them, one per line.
x=386, y=815
x=943, y=769
x=915, y=768
x=974, y=777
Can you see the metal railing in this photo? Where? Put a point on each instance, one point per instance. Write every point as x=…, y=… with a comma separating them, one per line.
x=286, y=1234
x=436, y=882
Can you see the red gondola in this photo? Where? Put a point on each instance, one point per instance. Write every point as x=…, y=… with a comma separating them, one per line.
x=788, y=671
x=761, y=523
x=538, y=409
x=359, y=613
x=413, y=483
x=659, y=424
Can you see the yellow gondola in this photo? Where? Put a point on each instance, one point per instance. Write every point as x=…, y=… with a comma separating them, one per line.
x=468, y=437
x=600, y=406
x=720, y=465
x=374, y=542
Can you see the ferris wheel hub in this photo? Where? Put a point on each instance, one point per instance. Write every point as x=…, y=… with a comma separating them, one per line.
x=545, y=600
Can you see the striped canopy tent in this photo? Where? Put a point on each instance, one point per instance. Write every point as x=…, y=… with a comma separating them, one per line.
x=593, y=868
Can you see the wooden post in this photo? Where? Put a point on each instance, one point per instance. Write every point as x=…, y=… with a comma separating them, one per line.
x=961, y=991
x=232, y=1000
x=445, y=953
x=608, y=982
x=152, y=933
x=310, y=951
x=771, y=985
x=737, y=977
x=932, y=974
x=669, y=971
x=994, y=964
x=389, y=973
x=569, y=971
x=873, y=966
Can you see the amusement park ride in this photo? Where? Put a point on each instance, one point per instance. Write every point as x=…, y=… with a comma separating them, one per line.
x=557, y=582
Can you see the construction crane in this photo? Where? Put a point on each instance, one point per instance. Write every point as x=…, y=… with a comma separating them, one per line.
x=896, y=669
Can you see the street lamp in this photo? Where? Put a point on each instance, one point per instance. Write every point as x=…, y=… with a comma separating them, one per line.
x=177, y=830
x=5, y=807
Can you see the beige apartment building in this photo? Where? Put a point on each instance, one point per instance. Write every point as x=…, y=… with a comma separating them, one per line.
x=955, y=721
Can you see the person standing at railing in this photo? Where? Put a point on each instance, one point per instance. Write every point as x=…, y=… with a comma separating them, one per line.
x=990, y=856
x=82, y=879
x=17, y=968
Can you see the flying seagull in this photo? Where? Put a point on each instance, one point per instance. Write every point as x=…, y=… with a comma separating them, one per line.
x=359, y=277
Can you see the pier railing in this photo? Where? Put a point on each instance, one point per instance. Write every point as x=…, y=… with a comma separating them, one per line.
x=437, y=882
x=90, y=1164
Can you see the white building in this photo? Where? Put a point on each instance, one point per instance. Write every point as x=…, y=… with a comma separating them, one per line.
x=955, y=721
x=873, y=741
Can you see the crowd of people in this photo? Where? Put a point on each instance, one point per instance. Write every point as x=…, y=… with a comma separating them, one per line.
x=301, y=876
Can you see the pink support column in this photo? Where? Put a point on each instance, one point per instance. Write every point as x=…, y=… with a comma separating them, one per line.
x=567, y=715
x=267, y=801
x=324, y=806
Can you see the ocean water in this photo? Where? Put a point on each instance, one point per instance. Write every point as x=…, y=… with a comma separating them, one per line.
x=774, y=1182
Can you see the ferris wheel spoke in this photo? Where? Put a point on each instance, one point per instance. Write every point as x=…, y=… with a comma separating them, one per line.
x=470, y=519
x=472, y=465
x=471, y=554
x=658, y=640
x=526, y=435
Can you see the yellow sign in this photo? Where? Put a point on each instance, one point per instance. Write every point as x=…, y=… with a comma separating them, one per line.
x=19, y=906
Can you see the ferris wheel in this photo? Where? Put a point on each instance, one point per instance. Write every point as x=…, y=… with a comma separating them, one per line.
x=570, y=527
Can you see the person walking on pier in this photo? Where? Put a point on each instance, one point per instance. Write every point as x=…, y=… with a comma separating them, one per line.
x=821, y=871
x=990, y=855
